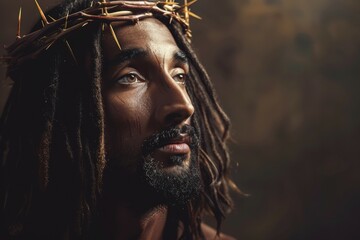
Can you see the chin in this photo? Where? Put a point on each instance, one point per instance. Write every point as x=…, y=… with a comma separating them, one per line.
x=176, y=162
x=175, y=182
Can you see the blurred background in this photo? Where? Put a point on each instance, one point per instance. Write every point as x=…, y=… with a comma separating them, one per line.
x=288, y=74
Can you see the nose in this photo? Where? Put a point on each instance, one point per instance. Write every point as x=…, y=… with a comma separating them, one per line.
x=173, y=105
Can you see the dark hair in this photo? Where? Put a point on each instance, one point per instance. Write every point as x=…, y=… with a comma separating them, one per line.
x=54, y=119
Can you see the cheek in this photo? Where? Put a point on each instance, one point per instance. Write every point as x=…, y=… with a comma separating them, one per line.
x=127, y=117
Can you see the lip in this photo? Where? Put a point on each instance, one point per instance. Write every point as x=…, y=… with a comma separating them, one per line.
x=176, y=146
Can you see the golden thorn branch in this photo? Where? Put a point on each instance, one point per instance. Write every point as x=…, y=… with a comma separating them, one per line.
x=114, y=36
x=18, y=34
x=41, y=13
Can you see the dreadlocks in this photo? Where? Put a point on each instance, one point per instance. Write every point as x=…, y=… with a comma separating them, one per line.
x=54, y=119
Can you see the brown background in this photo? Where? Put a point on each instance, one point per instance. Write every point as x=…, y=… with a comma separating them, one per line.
x=288, y=74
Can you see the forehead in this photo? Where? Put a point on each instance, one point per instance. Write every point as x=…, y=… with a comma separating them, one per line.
x=149, y=34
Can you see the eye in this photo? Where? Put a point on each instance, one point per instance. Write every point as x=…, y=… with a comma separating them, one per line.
x=180, y=78
x=130, y=78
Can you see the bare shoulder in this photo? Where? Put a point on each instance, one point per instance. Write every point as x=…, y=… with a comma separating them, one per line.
x=210, y=234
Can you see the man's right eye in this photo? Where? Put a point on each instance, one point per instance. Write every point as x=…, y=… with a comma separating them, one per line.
x=130, y=78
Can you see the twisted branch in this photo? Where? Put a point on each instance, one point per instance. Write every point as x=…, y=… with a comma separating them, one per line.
x=31, y=45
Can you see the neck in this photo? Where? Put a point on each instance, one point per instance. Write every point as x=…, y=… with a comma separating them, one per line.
x=122, y=221
x=134, y=212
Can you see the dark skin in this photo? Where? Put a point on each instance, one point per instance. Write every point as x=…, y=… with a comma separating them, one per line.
x=143, y=93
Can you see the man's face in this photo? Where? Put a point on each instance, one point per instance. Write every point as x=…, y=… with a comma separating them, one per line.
x=147, y=107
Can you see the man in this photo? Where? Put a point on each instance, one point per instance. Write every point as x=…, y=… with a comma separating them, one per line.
x=112, y=129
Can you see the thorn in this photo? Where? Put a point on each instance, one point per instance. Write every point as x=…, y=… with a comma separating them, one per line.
x=66, y=20
x=171, y=19
x=186, y=4
x=169, y=7
x=194, y=15
x=71, y=51
x=191, y=3
x=41, y=13
x=114, y=36
x=186, y=11
x=53, y=19
x=49, y=46
x=167, y=3
x=105, y=10
x=18, y=35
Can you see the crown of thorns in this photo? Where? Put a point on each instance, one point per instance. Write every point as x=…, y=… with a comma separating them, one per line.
x=29, y=46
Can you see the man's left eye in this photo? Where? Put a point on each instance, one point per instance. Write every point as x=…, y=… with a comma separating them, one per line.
x=180, y=78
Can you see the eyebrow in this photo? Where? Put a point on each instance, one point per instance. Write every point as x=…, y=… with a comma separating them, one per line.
x=181, y=57
x=127, y=55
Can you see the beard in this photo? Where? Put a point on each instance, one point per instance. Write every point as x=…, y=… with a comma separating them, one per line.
x=148, y=182
x=174, y=188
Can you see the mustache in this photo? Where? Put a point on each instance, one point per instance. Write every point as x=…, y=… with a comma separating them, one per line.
x=160, y=139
